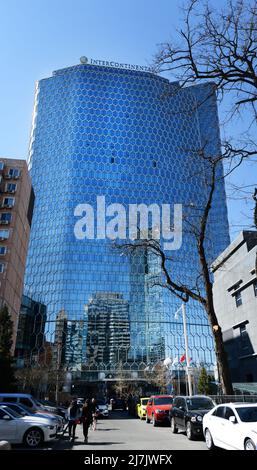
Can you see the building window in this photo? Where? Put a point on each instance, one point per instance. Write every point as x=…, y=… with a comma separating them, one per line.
x=4, y=234
x=154, y=164
x=5, y=218
x=2, y=266
x=1, y=166
x=11, y=187
x=8, y=202
x=2, y=250
x=112, y=159
x=238, y=299
x=244, y=337
x=255, y=288
x=13, y=173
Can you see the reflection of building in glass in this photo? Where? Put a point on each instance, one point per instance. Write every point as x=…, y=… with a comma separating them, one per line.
x=68, y=341
x=74, y=344
x=31, y=328
x=132, y=137
x=60, y=338
x=108, y=337
x=147, y=333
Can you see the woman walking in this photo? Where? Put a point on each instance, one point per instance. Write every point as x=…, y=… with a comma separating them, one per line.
x=73, y=418
x=94, y=413
x=86, y=418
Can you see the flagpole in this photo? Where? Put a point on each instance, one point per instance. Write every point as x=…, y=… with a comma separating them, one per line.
x=186, y=349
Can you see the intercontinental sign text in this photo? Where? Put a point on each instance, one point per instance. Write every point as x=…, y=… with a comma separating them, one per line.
x=106, y=63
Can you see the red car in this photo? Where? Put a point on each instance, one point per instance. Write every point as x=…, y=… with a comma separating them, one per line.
x=158, y=408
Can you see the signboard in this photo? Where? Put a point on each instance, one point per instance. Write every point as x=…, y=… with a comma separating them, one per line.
x=105, y=63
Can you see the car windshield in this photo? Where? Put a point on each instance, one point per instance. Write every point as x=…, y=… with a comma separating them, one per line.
x=19, y=410
x=163, y=401
x=199, y=403
x=247, y=414
x=39, y=403
x=144, y=402
x=101, y=402
x=13, y=413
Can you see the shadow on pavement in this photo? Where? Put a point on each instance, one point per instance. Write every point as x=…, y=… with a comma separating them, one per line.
x=92, y=443
x=108, y=429
x=121, y=415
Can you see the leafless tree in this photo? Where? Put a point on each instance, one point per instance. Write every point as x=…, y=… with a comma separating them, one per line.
x=159, y=376
x=219, y=45
x=202, y=290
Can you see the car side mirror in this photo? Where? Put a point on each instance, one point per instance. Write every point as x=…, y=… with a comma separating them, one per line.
x=7, y=418
x=232, y=419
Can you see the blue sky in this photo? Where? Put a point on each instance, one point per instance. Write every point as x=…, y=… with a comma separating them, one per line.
x=40, y=36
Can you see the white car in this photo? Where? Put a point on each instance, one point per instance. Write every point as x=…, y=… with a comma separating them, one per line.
x=29, y=430
x=231, y=426
x=102, y=409
x=24, y=411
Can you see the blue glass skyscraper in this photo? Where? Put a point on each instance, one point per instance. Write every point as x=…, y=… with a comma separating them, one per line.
x=132, y=137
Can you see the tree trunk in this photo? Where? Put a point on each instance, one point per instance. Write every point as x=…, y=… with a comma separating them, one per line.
x=221, y=355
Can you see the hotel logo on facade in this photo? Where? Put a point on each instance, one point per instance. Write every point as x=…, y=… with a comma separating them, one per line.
x=117, y=65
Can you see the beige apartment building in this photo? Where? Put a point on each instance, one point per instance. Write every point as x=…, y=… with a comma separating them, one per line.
x=16, y=209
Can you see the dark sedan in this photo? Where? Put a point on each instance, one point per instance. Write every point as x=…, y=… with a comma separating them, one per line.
x=187, y=414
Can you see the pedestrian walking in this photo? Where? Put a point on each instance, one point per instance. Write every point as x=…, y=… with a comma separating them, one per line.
x=86, y=419
x=94, y=413
x=73, y=419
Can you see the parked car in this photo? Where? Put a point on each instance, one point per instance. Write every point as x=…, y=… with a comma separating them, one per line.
x=23, y=411
x=118, y=404
x=231, y=426
x=157, y=409
x=141, y=407
x=30, y=403
x=29, y=430
x=23, y=398
x=53, y=408
x=187, y=414
x=102, y=409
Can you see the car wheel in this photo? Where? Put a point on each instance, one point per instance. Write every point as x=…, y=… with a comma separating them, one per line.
x=208, y=440
x=154, y=421
x=174, y=428
x=189, y=431
x=249, y=445
x=33, y=437
x=147, y=420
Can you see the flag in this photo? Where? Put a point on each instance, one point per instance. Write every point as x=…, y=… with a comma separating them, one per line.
x=177, y=314
x=175, y=361
x=182, y=359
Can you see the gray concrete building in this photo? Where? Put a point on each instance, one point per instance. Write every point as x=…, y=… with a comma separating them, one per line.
x=235, y=299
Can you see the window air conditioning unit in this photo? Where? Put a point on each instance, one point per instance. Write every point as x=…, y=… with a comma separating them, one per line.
x=4, y=222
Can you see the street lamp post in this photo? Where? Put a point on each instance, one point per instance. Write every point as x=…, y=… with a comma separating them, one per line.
x=189, y=381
